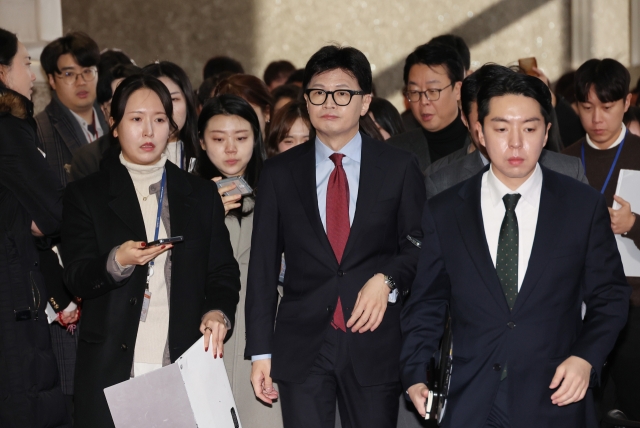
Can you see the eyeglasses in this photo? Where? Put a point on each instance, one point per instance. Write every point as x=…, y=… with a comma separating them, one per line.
x=341, y=97
x=430, y=94
x=70, y=77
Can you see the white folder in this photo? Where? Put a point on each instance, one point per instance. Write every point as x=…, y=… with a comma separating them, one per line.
x=194, y=392
x=629, y=189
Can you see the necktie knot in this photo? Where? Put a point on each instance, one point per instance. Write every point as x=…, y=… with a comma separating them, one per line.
x=511, y=200
x=336, y=158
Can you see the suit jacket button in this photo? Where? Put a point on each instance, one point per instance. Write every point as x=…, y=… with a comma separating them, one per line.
x=123, y=347
x=133, y=301
x=329, y=308
x=511, y=325
x=340, y=273
x=497, y=367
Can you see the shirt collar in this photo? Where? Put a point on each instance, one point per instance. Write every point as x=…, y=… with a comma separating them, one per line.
x=80, y=120
x=530, y=189
x=615, y=143
x=352, y=150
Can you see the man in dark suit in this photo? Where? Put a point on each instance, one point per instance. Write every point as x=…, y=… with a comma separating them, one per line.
x=433, y=74
x=73, y=118
x=340, y=207
x=467, y=162
x=514, y=277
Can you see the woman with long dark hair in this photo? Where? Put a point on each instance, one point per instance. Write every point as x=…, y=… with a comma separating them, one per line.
x=31, y=205
x=128, y=286
x=183, y=142
x=230, y=137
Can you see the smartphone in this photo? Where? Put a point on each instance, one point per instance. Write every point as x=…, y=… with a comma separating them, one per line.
x=242, y=187
x=165, y=241
x=527, y=64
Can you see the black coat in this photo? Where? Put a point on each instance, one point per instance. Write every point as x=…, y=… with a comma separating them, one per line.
x=102, y=211
x=391, y=195
x=30, y=394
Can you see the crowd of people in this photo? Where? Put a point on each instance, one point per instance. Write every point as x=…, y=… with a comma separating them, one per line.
x=324, y=237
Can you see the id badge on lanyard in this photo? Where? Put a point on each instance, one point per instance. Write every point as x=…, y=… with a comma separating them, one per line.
x=147, y=293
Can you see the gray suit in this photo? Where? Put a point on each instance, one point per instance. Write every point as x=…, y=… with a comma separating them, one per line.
x=471, y=164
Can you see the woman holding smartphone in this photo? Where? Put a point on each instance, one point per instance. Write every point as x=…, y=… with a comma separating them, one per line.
x=230, y=138
x=144, y=306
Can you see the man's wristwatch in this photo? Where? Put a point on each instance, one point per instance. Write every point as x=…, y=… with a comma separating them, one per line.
x=390, y=282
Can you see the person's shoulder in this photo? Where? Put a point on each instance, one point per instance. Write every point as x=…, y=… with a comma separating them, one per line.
x=633, y=141
x=574, y=149
x=552, y=158
x=283, y=161
x=391, y=153
x=572, y=188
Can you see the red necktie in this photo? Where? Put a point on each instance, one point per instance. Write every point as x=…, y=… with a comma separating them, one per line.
x=338, y=222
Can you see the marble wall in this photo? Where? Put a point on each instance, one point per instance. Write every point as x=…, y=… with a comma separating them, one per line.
x=188, y=32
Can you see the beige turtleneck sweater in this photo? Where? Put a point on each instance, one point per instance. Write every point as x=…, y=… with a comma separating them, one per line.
x=153, y=333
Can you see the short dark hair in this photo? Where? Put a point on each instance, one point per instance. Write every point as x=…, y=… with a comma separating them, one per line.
x=469, y=93
x=286, y=91
x=296, y=77
x=120, y=71
x=458, y=44
x=387, y=116
x=498, y=81
x=566, y=87
x=348, y=59
x=8, y=49
x=130, y=85
x=220, y=64
x=188, y=133
x=609, y=79
x=82, y=47
x=433, y=54
x=277, y=70
x=109, y=58
x=231, y=105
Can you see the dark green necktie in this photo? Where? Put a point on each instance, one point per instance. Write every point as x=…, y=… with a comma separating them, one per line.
x=507, y=257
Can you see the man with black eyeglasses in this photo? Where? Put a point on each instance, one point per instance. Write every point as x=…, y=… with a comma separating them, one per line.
x=72, y=118
x=433, y=74
x=343, y=208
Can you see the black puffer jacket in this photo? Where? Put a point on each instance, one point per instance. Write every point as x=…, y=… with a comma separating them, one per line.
x=30, y=394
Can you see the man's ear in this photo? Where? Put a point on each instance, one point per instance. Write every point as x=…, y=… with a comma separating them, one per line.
x=481, y=139
x=627, y=102
x=456, y=90
x=546, y=135
x=366, y=101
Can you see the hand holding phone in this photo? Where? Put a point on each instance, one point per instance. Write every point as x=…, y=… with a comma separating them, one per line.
x=242, y=187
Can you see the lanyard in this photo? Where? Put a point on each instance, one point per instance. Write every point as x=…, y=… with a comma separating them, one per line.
x=158, y=219
x=613, y=165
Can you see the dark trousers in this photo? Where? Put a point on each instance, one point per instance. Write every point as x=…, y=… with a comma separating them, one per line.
x=499, y=415
x=312, y=404
x=625, y=367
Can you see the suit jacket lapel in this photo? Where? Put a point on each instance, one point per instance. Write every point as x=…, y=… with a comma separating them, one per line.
x=372, y=174
x=548, y=231
x=469, y=217
x=303, y=171
x=124, y=201
x=66, y=125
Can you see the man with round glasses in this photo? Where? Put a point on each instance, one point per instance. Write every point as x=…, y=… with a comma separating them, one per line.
x=341, y=207
x=72, y=118
x=433, y=75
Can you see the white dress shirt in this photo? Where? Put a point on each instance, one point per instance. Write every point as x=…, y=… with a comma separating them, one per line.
x=352, y=152
x=90, y=136
x=493, y=211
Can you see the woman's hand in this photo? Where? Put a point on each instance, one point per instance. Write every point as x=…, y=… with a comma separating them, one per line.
x=230, y=202
x=68, y=317
x=137, y=253
x=213, y=327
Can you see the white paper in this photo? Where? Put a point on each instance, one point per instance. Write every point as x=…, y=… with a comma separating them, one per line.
x=629, y=189
x=194, y=392
x=51, y=314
